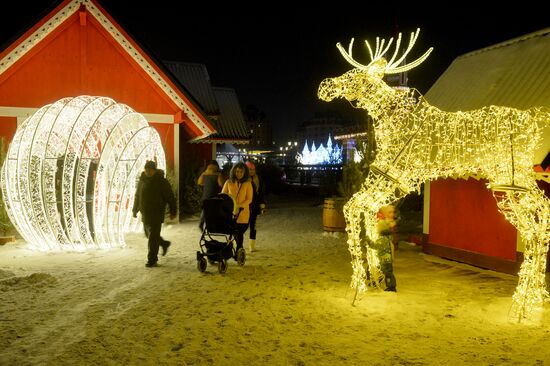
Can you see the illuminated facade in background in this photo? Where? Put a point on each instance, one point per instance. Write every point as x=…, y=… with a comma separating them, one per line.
x=417, y=142
x=321, y=154
x=71, y=171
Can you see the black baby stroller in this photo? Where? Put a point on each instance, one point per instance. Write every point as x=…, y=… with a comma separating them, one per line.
x=219, y=223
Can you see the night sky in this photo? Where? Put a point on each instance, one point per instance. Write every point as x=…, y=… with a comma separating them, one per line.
x=276, y=56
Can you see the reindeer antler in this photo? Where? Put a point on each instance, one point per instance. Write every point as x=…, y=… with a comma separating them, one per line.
x=392, y=66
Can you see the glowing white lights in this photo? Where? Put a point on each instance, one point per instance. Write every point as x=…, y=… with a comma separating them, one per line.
x=320, y=155
x=70, y=174
x=417, y=142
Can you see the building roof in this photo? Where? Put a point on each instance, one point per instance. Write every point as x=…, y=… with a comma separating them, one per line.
x=221, y=104
x=195, y=78
x=231, y=124
x=513, y=73
x=54, y=21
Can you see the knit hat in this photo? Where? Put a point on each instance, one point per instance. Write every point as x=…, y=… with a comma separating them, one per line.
x=250, y=165
x=150, y=165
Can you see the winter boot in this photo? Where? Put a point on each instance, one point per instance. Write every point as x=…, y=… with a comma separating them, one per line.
x=251, y=245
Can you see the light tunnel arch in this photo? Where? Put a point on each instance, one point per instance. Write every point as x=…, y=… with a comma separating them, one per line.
x=71, y=171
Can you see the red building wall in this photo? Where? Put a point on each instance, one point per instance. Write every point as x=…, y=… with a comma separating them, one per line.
x=8, y=125
x=83, y=60
x=464, y=216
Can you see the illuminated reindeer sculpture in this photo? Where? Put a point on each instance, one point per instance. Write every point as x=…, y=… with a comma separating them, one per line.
x=417, y=142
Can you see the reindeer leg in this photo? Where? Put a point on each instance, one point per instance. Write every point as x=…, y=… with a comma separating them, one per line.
x=352, y=212
x=361, y=225
x=529, y=212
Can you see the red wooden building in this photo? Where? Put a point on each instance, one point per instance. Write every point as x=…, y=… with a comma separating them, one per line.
x=79, y=49
x=461, y=219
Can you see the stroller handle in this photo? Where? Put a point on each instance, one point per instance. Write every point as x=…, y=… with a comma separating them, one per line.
x=238, y=213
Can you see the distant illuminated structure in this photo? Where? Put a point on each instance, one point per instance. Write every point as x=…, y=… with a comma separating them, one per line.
x=320, y=155
x=417, y=142
x=70, y=173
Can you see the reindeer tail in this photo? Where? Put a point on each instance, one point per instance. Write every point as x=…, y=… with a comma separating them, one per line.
x=544, y=116
x=540, y=116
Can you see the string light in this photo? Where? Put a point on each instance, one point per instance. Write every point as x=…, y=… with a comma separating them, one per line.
x=71, y=171
x=417, y=142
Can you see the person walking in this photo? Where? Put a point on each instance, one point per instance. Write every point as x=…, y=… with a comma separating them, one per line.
x=153, y=193
x=211, y=182
x=257, y=206
x=238, y=186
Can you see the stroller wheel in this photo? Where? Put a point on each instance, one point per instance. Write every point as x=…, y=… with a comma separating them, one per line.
x=201, y=264
x=222, y=266
x=241, y=256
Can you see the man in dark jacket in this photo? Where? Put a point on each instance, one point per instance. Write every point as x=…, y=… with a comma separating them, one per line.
x=152, y=194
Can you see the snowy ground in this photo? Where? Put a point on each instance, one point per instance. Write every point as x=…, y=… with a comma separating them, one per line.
x=289, y=305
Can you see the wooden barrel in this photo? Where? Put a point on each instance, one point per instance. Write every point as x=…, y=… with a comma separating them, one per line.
x=333, y=215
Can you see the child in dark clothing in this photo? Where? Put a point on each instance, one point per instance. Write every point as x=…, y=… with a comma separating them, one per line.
x=387, y=226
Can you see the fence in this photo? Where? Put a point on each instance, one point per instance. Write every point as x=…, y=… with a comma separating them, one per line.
x=325, y=177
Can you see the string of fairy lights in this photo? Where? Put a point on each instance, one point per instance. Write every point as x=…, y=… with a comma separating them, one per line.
x=417, y=142
x=70, y=173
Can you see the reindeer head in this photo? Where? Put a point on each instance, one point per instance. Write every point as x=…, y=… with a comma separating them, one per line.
x=364, y=79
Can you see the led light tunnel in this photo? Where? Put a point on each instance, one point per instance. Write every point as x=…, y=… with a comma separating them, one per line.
x=71, y=171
